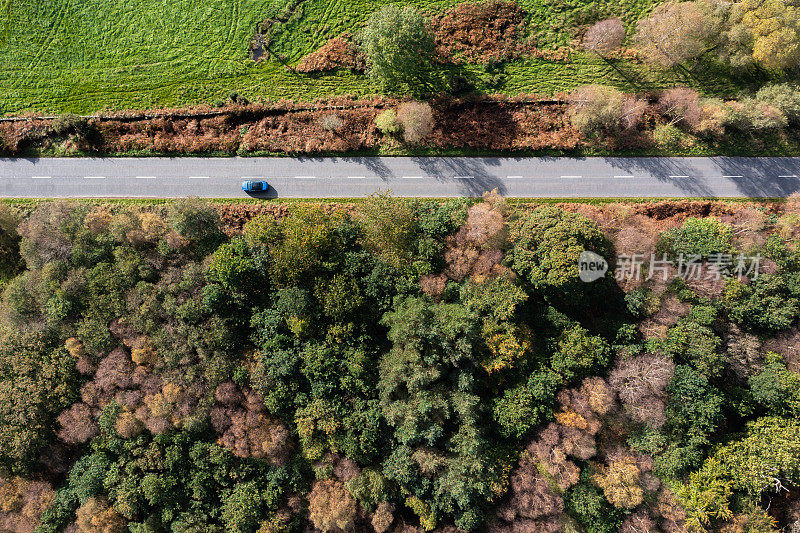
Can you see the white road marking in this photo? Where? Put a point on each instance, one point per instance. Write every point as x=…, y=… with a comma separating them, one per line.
x=94, y=177
x=571, y=177
x=199, y=177
x=624, y=177
x=145, y=177
x=40, y=177
x=463, y=177
x=789, y=176
x=305, y=177
x=513, y=177
x=356, y=177
x=732, y=177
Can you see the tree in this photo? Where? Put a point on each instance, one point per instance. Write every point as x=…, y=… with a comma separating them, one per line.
x=681, y=106
x=590, y=508
x=387, y=123
x=198, y=223
x=674, y=32
x=10, y=260
x=621, y=483
x=331, y=508
x=784, y=97
x=578, y=354
x=769, y=303
x=774, y=27
x=97, y=516
x=605, y=36
x=524, y=407
x=429, y=384
x=776, y=388
x=416, y=121
x=546, y=245
x=641, y=384
x=765, y=460
x=38, y=382
x=596, y=109
x=751, y=116
x=697, y=236
x=399, y=48
x=391, y=228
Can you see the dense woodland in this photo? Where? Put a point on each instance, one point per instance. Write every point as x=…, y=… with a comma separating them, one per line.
x=397, y=366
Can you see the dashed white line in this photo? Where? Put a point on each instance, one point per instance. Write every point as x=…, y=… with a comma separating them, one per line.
x=94, y=177
x=571, y=177
x=356, y=177
x=732, y=177
x=305, y=177
x=40, y=177
x=145, y=177
x=789, y=176
x=514, y=177
x=463, y=177
x=199, y=177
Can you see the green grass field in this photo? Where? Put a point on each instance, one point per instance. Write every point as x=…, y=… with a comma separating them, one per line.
x=83, y=56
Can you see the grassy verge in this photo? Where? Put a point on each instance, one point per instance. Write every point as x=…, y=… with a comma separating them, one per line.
x=71, y=56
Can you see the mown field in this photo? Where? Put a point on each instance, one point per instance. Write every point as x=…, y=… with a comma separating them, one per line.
x=84, y=56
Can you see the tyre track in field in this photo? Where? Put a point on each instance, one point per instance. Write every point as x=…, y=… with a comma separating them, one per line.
x=42, y=49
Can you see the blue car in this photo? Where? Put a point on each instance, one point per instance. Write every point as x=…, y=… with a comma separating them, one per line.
x=254, y=186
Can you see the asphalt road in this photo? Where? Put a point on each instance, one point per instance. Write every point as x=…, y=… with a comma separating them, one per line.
x=349, y=177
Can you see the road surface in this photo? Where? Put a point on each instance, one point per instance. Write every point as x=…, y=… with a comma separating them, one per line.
x=352, y=177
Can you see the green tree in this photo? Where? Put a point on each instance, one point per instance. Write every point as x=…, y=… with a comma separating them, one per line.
x=578, y=354
x=399, y=48
x=38, y=382
x=429, y=386
x=697, y=236
x=547, y=243
x=776, y=388
x=770, y=303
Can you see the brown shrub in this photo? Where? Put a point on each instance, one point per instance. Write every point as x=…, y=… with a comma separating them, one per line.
x=481, y=32
x=416, y=119
x=339, y=52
